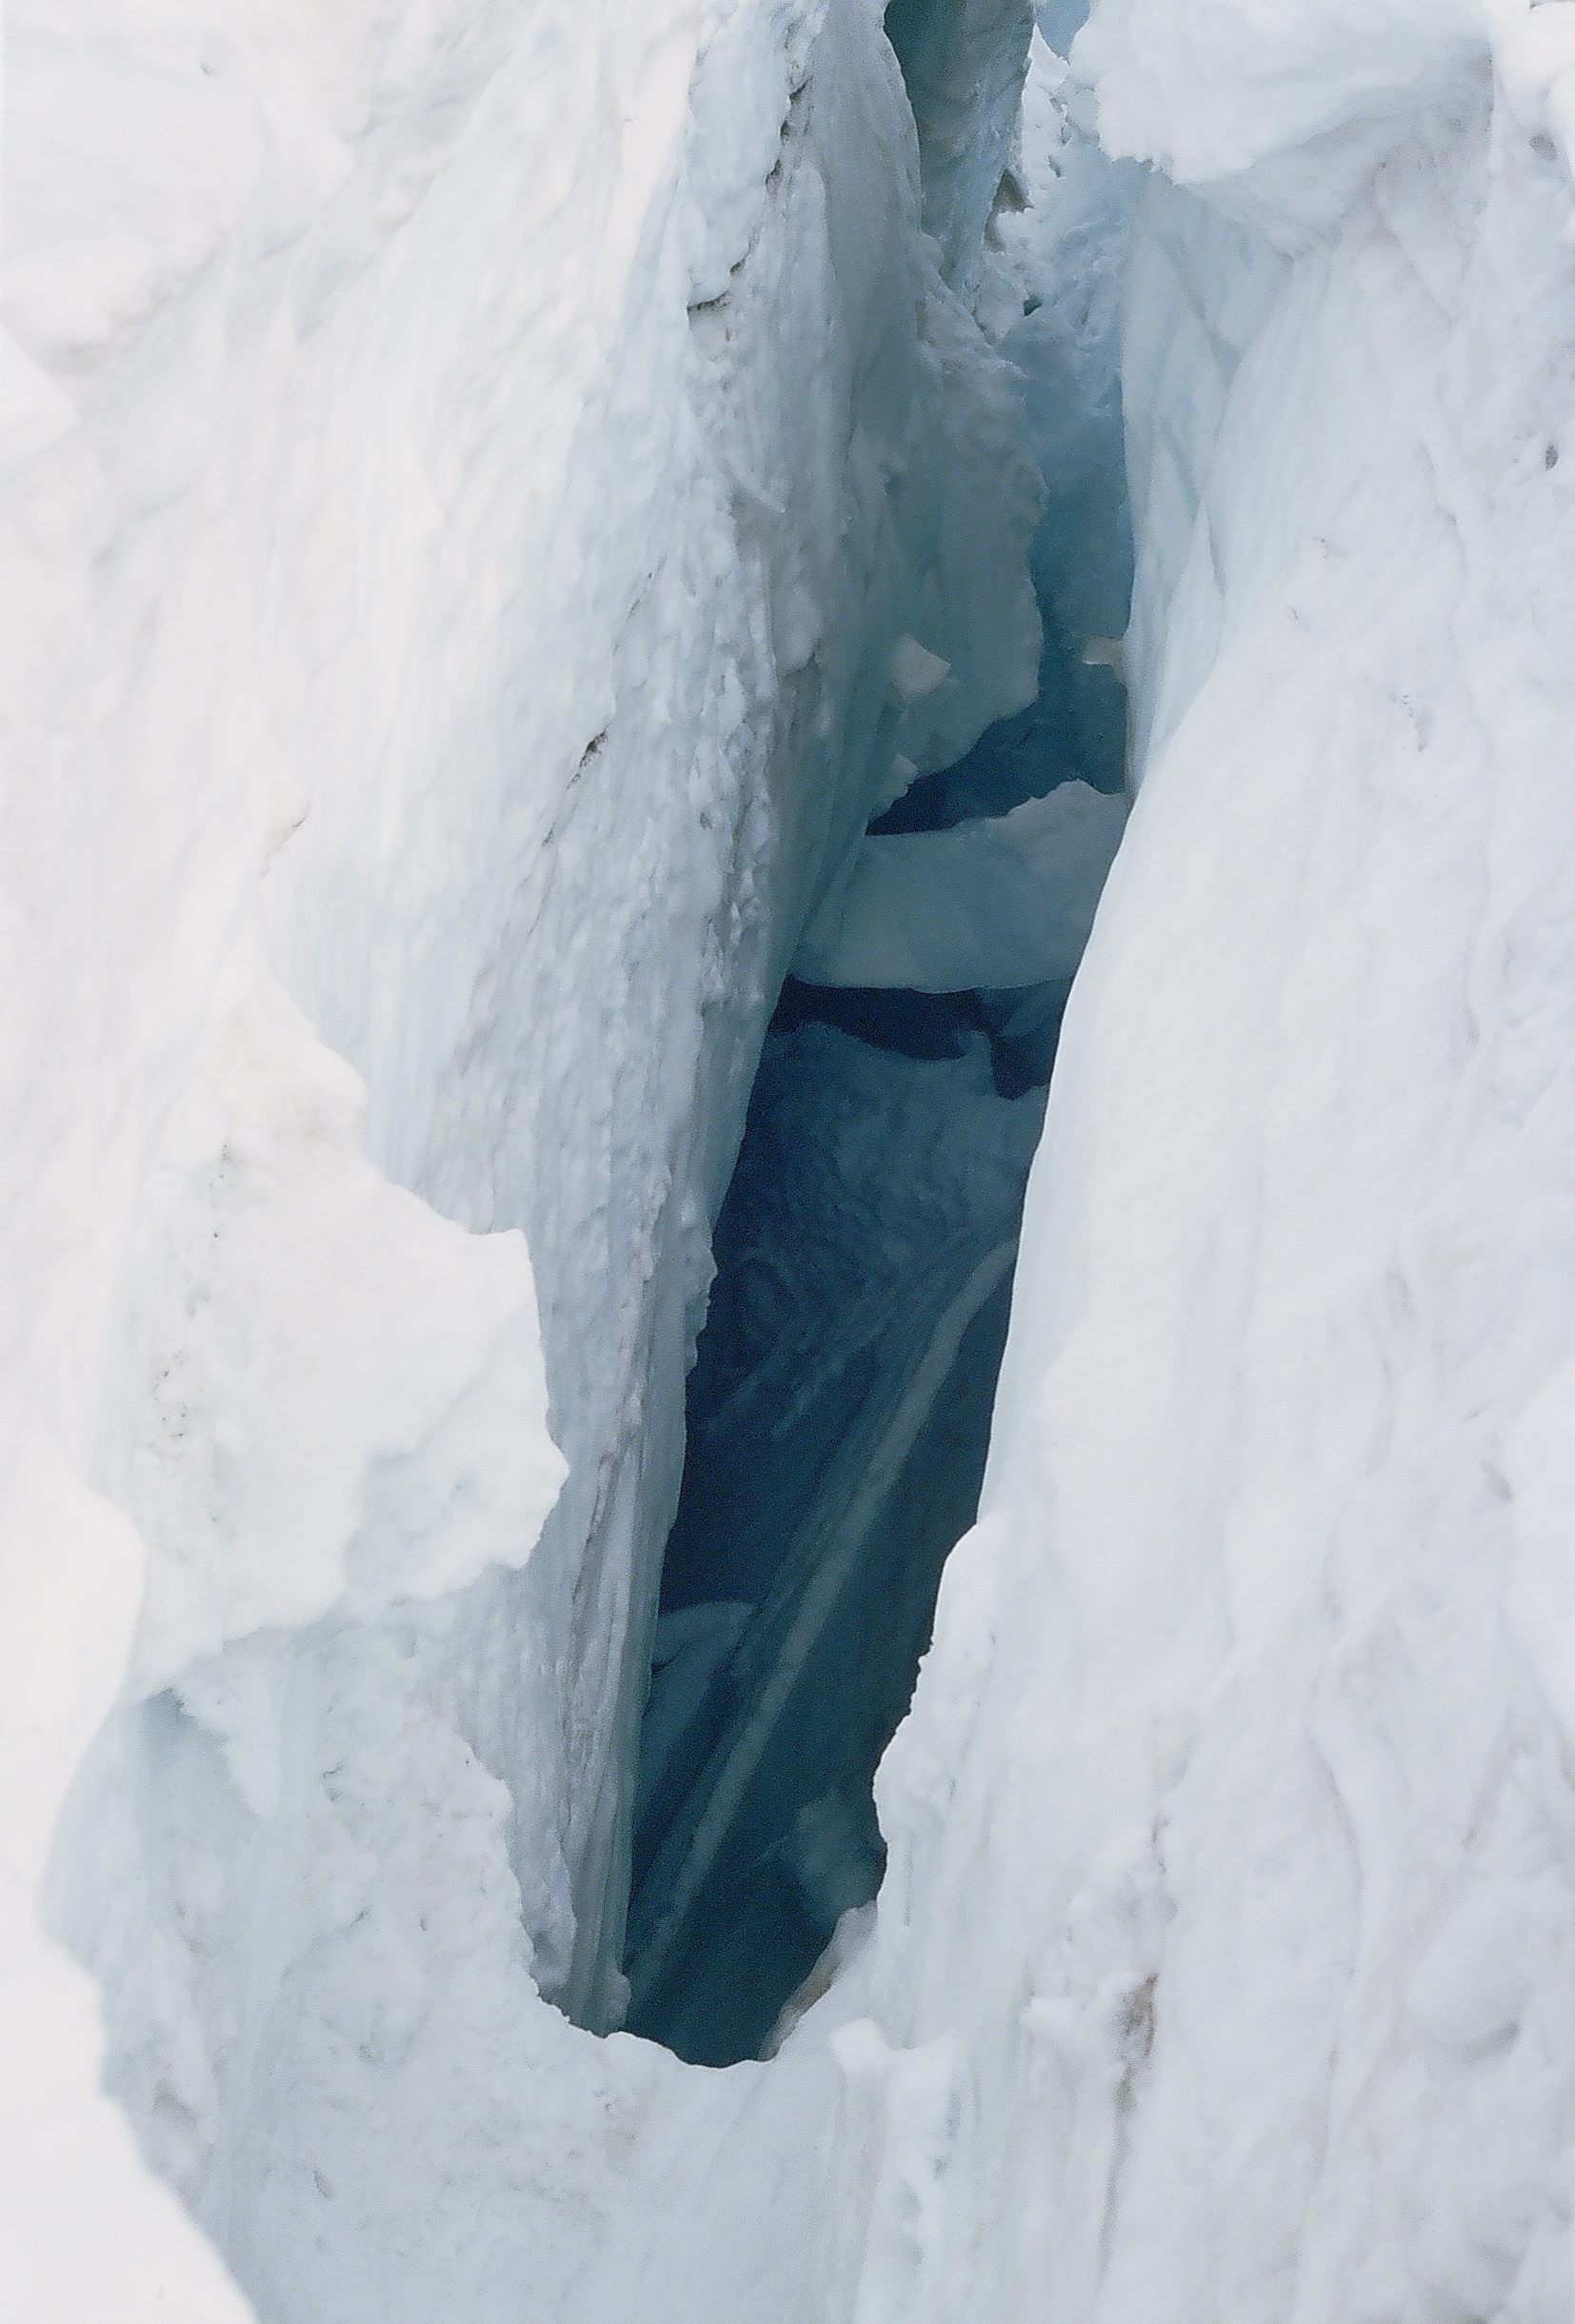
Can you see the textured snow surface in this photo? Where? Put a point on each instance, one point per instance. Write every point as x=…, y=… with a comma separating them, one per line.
x=469, y=472
x=1225, y=1961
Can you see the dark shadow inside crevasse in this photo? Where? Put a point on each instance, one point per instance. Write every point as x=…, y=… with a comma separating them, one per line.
x=838, y=1420
x=839, y=1416
x=839, y=1410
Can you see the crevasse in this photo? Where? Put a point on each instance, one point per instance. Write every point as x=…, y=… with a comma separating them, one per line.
x=515, y=527
x=839, y=1411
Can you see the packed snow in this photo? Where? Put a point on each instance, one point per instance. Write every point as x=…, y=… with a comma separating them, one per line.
x=516, y=527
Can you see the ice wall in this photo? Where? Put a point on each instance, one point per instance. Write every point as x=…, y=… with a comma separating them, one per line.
x=1224, y=1963
x=477, y=483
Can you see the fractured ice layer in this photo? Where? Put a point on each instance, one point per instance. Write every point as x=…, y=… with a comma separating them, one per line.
x=469, y=475
x=840, y=1411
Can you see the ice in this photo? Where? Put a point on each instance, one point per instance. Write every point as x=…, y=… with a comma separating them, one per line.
x=496, y=503
x=963, y=61
x=1000, y=901
x=1264, y=2008
x=838, y=1420
x=468, y=474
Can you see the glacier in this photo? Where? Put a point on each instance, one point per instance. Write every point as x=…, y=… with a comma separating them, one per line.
x=588, y=589
x=837, y=1423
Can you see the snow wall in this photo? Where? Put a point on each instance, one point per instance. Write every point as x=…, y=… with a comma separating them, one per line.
x=474, y=483
x=473, y=473
x=1224, y=1965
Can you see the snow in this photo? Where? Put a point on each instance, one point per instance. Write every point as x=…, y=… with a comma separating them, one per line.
x=1000, y=901
x=1230, y=90
x=495, y=501
x=1229, y=1889
x=469, y=475
x=138, y=2257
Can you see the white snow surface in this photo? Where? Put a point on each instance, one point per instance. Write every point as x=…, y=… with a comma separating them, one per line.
x=469, y=473
x=1224, y=1965
x=469, y=470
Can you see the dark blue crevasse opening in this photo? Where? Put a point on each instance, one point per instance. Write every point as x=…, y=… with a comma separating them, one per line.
x=839, y=1409
x=838, y=1420
x=838, y=1414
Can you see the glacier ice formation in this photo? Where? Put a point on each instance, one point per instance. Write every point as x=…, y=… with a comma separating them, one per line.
x=838, y=1418
x=520, y=528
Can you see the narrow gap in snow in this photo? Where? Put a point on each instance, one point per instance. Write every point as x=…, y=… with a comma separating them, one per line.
x=838, y=1421
x=838, y=1418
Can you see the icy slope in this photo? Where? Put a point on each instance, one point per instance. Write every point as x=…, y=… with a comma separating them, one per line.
x=476, y=482
x=1224, y=1966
